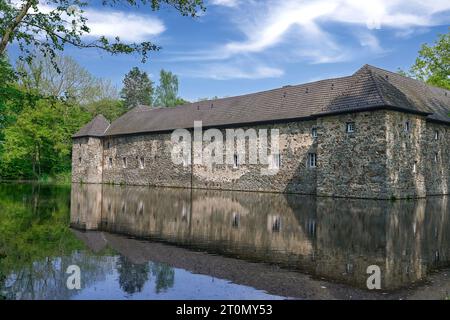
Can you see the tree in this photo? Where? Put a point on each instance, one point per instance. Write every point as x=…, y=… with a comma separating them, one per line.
x=70, y=81
x=167, y=91
x=63, y=22
x=433, y=63
x=137, y=88
x=132, y=277
x=110, y=108
x=39, y=142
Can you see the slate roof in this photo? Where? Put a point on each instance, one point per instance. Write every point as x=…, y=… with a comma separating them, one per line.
x=369, y=87
x=95, y=128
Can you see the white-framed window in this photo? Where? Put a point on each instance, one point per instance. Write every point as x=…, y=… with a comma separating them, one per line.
x=436, y=135
x=350, y=127
x=124, y=162
x=314, y=132
x=110, y=162
x=141, y=162
x=312, y=160
x=235, y=161
x=275, y=162
x=407, y=126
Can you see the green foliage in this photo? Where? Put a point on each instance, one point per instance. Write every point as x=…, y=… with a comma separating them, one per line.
x=111, y=109
x=49, y=31
x=167, y=91
x=433, y=63
x=137, y=88
x=40, y=140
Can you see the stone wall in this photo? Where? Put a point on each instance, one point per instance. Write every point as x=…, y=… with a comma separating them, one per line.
x=352, y=164
x=418, y=164
x=380, y=159
x=294, y=175
x=87, y=160
x=158, y=168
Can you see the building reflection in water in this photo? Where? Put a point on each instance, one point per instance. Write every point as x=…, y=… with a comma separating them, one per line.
x=336, y=239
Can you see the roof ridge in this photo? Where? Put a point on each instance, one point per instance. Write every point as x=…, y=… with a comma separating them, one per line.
x=377, y=87
x=406, y=77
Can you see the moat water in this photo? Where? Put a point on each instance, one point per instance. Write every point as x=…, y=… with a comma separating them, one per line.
x=165, y=243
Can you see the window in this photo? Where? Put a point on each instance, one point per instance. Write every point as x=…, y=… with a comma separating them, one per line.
x=141, y=162
x=436, y=157
x=79, y=160
x=124, y=162
x=108, y=144
x=407, y=126
x=314, y=132
x=415, y=167
x=235, y=161
x=350, y=127
x=110, y=162
x=436, y=135
x=236, y=219
x=276, y=161
x=276, y=224
x=312, y=160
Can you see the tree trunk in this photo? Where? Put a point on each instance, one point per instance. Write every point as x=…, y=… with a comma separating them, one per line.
x=10, y=30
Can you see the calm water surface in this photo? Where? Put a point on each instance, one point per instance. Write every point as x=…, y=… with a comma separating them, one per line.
x=147, y=243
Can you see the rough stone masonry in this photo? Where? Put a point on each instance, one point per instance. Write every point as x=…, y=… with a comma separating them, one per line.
x=374, y=134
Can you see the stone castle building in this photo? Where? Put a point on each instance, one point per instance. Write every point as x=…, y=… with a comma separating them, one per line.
x=374, y=134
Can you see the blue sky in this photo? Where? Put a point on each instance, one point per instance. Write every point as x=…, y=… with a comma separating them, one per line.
x=242, y=46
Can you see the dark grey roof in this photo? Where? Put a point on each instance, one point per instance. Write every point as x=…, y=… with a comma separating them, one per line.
x=95, y=128
x=369, y=87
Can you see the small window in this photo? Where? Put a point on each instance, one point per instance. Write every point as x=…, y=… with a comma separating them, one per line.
x=436, y=157
x=276, y=161
x=415, y=167
x=110, y=162
x=312, y=160
x=236, y=220
x=407, y=126
x=124, y=162
x=79, y=160
x=350, y=127
x=141, y=162
x=108, y=144
x=276, y=224
x=436, y=135
x=314, y=132
x=235, y=161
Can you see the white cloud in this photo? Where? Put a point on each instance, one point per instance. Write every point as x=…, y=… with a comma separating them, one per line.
x=127, y=26
x=226, y=3
x=229, y=71
x=301, y=28
x=131, y=27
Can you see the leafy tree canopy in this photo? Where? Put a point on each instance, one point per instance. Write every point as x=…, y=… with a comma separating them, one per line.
x=167, y=90
x=34, y=27
x=433, y=63
x=137, y=88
